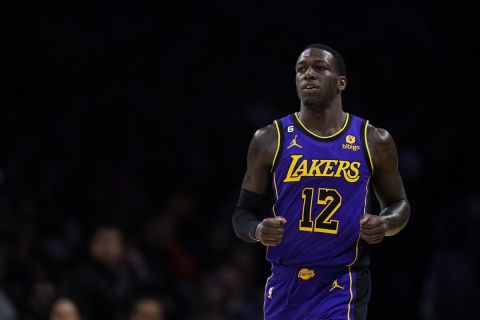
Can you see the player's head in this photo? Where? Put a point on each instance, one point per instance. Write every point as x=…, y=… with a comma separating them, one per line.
x=337, y=57
x=320, y=75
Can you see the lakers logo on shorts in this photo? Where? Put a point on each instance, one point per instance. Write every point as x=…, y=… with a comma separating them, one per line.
x=306, y=274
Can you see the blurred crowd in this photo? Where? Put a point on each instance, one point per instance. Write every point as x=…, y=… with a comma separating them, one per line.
x=113, y=271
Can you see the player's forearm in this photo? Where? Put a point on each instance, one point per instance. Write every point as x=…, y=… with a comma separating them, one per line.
x=244, y=225
x=396, y=216
x=246, y=216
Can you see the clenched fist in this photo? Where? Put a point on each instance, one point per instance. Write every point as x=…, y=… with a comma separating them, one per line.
x=373, y=228
x=270, y=231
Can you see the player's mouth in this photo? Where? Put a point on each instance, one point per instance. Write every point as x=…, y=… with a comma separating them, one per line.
x=310, y=88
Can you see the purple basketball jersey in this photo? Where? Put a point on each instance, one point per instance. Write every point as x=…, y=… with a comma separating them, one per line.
x=321, y=187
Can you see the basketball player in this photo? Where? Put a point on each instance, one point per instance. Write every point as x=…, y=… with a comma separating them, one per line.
x=320, y=164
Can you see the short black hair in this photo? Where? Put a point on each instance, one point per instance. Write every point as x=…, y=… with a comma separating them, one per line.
x=339, y=62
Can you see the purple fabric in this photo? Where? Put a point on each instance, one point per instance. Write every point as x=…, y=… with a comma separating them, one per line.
x=326, y=293
x=301, y=184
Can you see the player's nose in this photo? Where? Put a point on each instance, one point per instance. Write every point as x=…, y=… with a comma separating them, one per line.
x=310, y=73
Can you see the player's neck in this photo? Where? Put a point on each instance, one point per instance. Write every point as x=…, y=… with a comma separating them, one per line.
x=323, y=121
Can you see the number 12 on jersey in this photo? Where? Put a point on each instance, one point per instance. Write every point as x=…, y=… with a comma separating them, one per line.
x=331, y=199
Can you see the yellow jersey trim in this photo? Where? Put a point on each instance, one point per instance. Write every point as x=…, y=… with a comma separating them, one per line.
x=366, y=144
x=275, y=185
x=323, y=137
x=351, y=293
x=364, y=212
x=356, y=252
x=276, y=194
x=278, y=144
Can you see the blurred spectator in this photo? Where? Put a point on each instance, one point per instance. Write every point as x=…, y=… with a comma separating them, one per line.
x=103, y=282
x=169, y=233
x=40, y=299
x=226, y=292
x=171, y=258
x=147, y=308
x=7, y=310
x=64, y=309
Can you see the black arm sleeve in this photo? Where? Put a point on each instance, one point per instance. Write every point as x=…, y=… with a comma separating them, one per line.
x=246, y=215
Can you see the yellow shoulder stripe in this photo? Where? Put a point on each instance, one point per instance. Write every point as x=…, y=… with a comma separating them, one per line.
x=278, y=144
x=366, y=144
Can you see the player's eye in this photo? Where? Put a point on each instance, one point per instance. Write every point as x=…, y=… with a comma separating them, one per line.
x=301, y=69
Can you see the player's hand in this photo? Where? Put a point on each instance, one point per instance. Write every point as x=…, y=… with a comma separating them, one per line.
x=270, y=231
x=372, y=228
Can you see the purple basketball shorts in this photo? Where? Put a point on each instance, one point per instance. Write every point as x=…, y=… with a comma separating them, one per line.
x=318, y=293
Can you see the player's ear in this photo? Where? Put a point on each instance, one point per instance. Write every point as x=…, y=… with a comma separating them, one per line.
x=342, y=83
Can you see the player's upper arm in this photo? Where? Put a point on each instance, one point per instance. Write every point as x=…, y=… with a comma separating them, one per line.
x=386, y=178
x=260, y=159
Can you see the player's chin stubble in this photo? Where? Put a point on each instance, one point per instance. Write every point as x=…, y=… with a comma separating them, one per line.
x=315, y=103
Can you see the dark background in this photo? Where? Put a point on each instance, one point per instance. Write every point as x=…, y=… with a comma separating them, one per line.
x=139, y=116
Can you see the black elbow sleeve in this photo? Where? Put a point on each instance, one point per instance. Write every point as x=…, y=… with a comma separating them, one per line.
x=246, y=215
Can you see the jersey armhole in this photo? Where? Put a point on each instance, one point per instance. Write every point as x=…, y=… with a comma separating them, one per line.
x=278, y=125
x=366, y=149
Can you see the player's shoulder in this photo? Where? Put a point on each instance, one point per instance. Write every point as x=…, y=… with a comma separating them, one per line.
x=269, y=133
x=266, y=132
x=265, y=139
x=378, y=136
x=381, y=145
